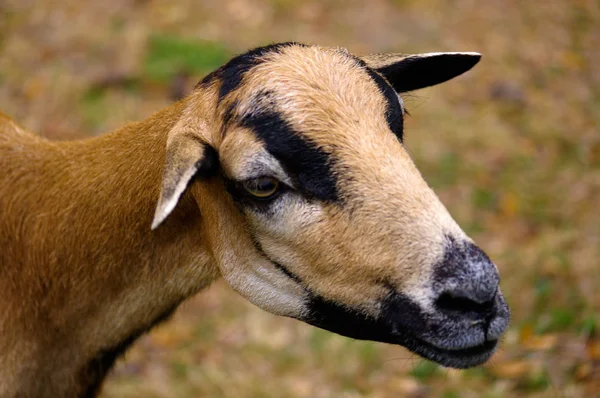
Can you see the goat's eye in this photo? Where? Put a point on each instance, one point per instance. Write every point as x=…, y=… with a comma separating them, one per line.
x=262, y=187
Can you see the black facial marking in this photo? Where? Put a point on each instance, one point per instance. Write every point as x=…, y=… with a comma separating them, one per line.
x=280, y=267
x=286, y=271
x=309, y=166
x=387, y=327
x=232, y=73
x=228, y=117
x=393, y=112
x=401, y=321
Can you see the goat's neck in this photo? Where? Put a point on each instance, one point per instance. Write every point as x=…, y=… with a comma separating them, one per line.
x=109, y=277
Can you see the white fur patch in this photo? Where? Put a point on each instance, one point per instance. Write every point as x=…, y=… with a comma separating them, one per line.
x=264, y=285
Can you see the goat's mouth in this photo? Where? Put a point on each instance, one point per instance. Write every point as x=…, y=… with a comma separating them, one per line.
x=457, y=343
x=454, y=358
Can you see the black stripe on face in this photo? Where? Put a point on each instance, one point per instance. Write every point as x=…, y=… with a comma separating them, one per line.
x=232, y=73
x=309, y=166
x=399, y=316
x=277, y=265
x=393, y=112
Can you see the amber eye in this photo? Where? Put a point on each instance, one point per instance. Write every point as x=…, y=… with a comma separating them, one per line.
x=262, y=187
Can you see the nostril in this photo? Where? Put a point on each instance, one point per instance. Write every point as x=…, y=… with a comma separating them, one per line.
x=459, y=303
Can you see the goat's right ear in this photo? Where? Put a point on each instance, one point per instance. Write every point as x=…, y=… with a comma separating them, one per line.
x=187, y=156
x=412, y=72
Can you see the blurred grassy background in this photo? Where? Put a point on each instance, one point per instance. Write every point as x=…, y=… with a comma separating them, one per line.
x=512, y=148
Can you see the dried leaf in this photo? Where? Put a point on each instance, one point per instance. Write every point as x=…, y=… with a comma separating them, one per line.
x=583, y=371
x=526, y=333
x=170, y=337
x=540, y=343
x=509, y=204
x=512, y=370
x=593, y=349
x=34, y=87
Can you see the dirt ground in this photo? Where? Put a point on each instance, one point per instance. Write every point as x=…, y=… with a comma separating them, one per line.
x=512, y=148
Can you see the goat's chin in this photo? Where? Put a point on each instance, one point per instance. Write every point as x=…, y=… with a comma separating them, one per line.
x=449, y=341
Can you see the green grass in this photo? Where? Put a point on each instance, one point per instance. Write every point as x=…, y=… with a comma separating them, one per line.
x=94, y=108
x=425, y=370
x=169, y=55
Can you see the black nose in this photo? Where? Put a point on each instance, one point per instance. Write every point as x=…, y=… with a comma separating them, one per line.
x=466, y=281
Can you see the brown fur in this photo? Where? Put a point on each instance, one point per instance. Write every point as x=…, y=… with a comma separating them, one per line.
x=79, y=269
x=82, y=274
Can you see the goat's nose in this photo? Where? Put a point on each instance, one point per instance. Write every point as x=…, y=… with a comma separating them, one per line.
x=466, y=281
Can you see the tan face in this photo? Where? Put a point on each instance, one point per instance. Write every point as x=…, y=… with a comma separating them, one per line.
x=318, y=213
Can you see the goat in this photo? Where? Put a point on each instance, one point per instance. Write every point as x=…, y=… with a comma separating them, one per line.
x=285, y=173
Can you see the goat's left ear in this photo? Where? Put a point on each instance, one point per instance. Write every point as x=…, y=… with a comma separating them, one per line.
x=188, y=156
x=412, y=72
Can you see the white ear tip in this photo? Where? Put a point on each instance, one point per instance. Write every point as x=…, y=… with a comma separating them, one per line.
x=471, y=53
x=162, y=211
x=459, y=53
x=157, y=221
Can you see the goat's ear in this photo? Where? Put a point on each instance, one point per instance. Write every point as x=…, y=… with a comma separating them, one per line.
x=188, y=156
x=412, y=72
